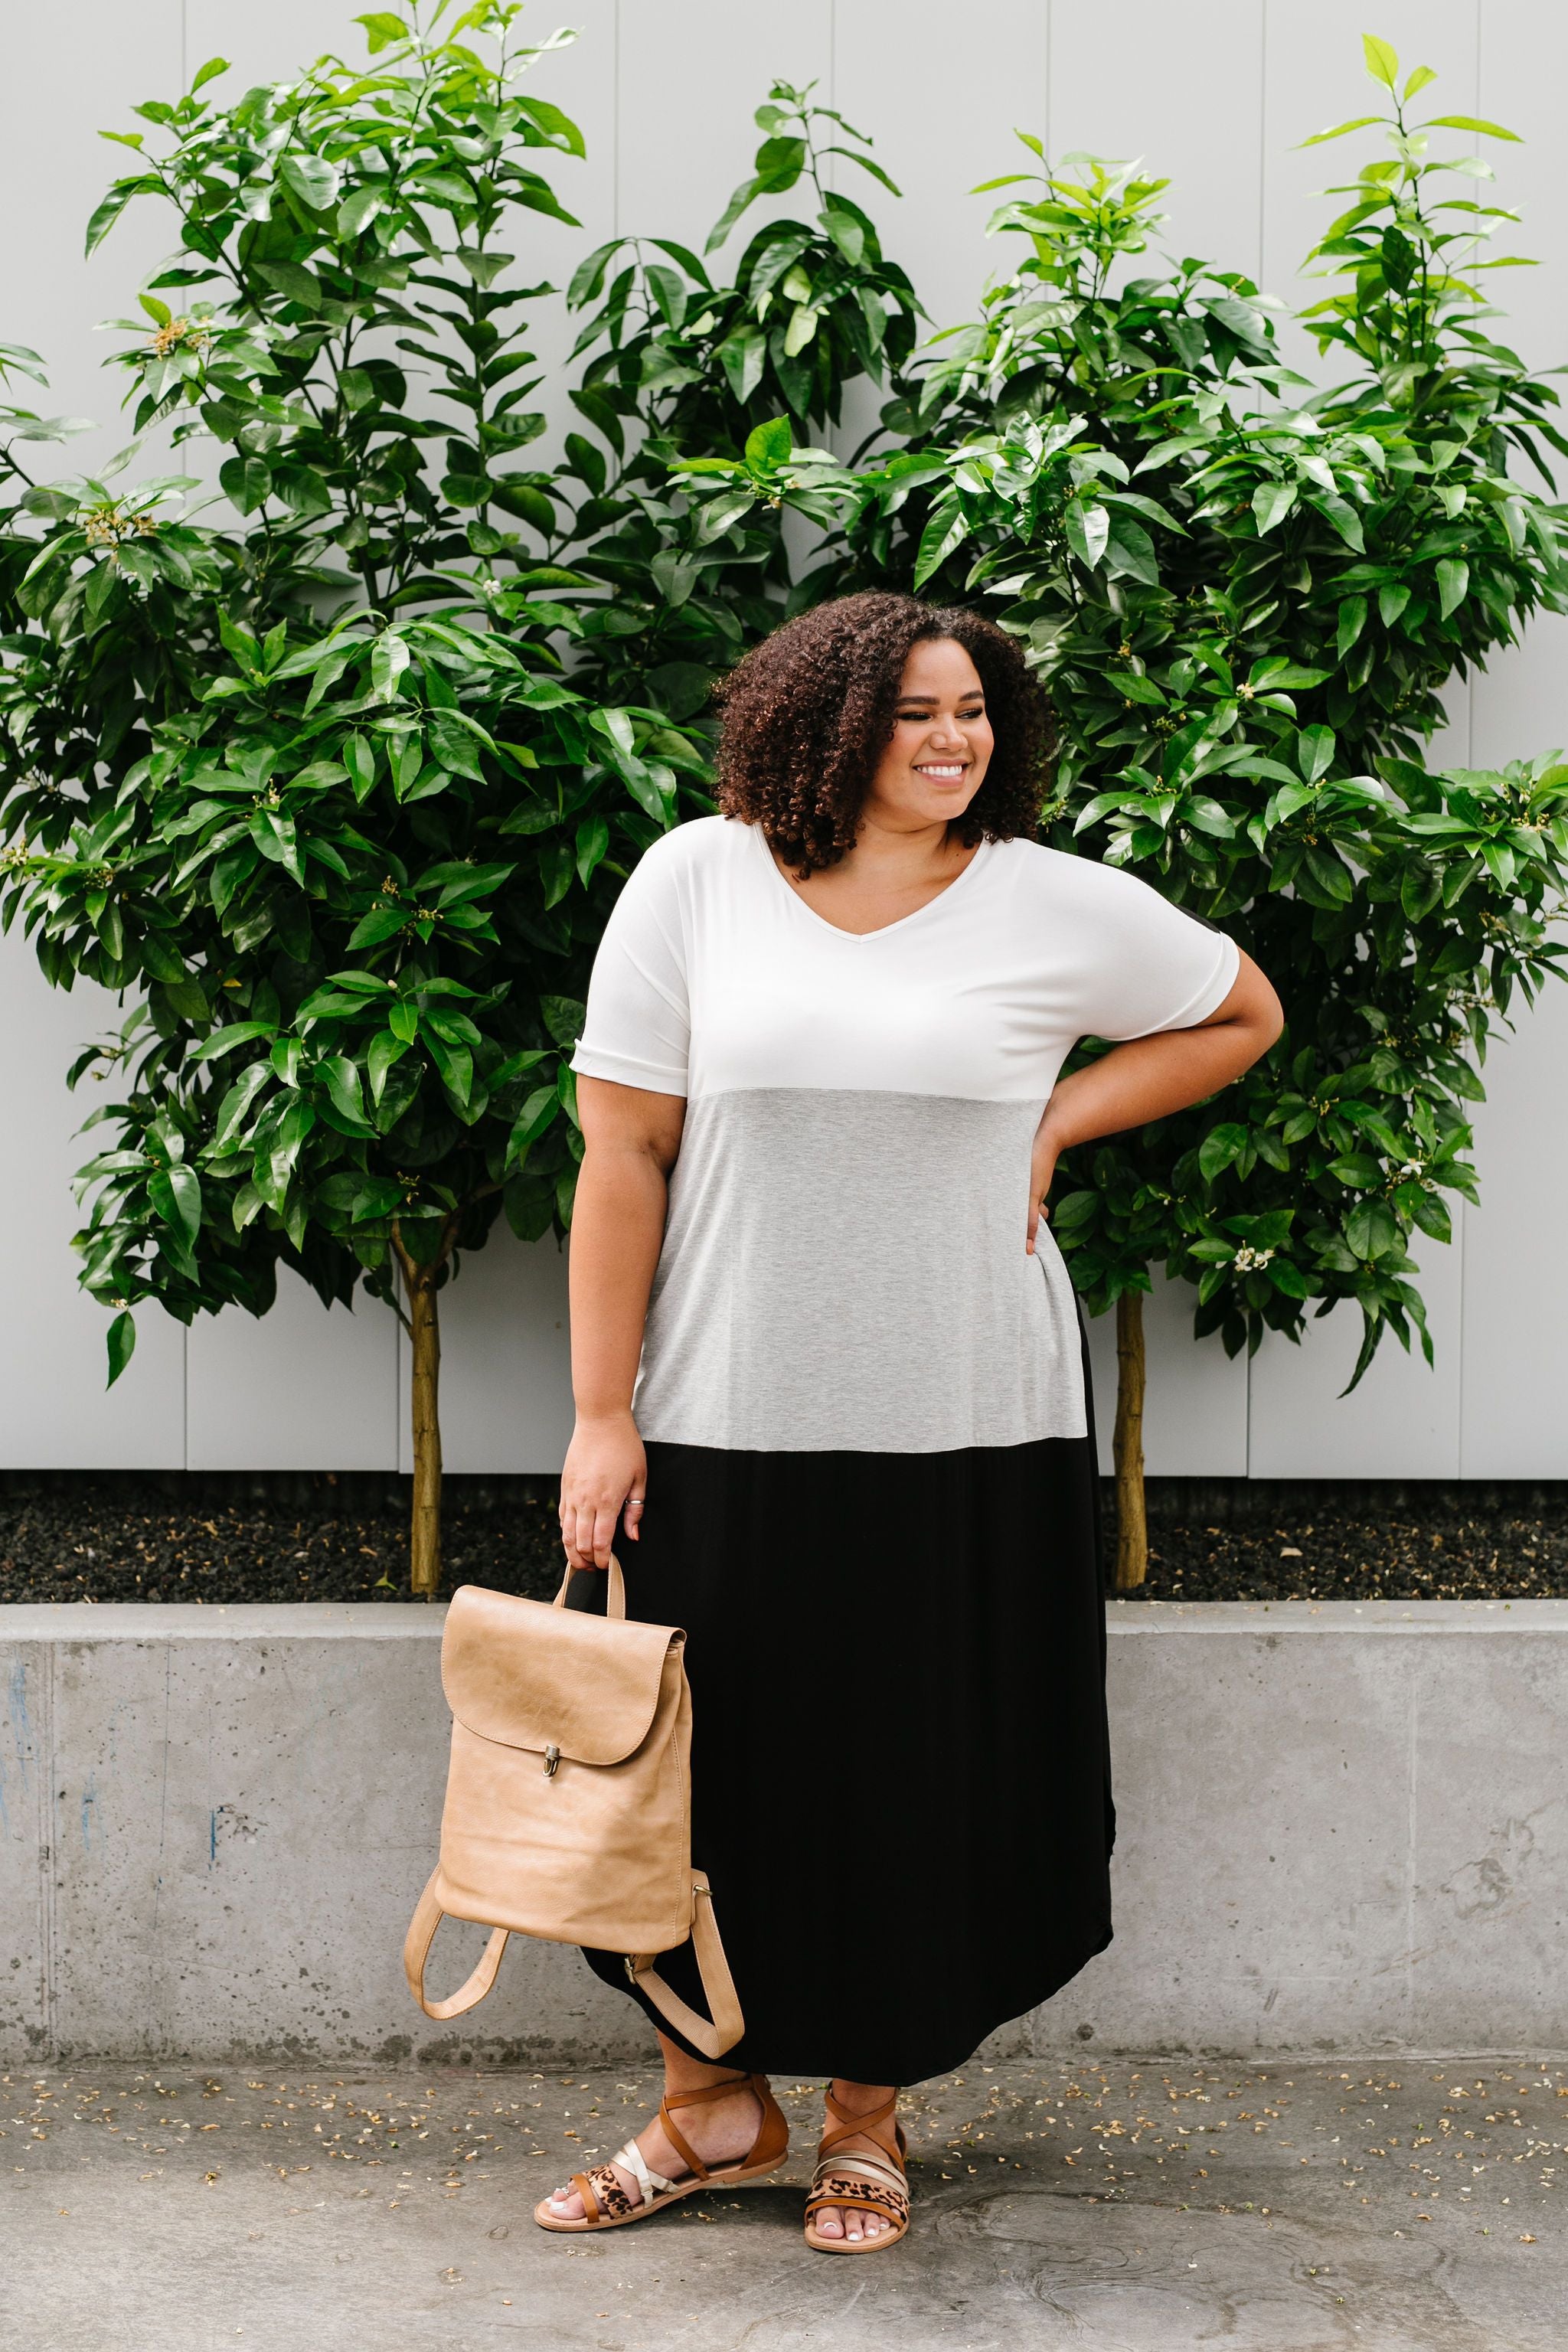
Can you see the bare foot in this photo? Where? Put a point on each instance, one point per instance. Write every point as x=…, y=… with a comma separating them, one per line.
x=850, y=2221
x=721, y=2131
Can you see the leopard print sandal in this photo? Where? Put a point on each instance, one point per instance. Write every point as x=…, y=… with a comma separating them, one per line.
x=606, y=2204
x=863, y=2183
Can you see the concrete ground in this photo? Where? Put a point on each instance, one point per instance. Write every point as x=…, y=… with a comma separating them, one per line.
x=1408, y=2207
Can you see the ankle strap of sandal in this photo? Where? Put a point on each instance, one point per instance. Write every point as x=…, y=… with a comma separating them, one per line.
x=711, y=2091
x=849, y=2124
x=677, y=2138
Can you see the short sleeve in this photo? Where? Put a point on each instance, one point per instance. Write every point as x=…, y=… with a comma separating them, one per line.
x=1152, y=965
x=638, y=1030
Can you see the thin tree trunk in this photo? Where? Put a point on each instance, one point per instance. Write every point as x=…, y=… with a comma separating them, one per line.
x=425, y=1534
x=1131, y=1524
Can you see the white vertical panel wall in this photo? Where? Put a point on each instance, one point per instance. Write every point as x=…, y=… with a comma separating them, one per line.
x=1215, y=94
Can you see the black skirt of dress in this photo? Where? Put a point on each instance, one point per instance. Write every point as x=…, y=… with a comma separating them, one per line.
x=900, y=1767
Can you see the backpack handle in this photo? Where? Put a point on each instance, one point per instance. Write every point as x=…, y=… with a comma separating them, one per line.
x=616, y=1604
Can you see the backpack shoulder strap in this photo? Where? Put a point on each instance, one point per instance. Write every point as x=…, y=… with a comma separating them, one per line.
x=428, y=1917
x=727, y=2025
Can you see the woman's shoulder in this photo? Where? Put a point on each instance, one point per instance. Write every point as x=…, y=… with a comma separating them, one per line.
x=699, y=845
x=702, y=839
x=1053, y=890
x=676, y=864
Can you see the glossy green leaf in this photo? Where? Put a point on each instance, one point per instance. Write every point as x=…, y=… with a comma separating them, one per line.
x=1130, y=552
x=769, y=445
x=388, y=665
x=1453, y=583
x=1372, y=1230
x=1271, y=502
x=1382, y=60
x=802, y=327
x=383, y=27
x=293, y=281
x=846, y=228
x=1315, y=752
x=384, y=1051
x=1220, y=1147
x=562, y=1017
x=1358, y=122
x=1089, y=531
x=359, y=758
x=314, y=179
x=381, y=923
x=1342, y=515
x=947, y=530
x=361, y=205
x=176, y=1196
x=540, y=1112
x=1468, y=122
x=238, y=1101
x=121, y=1338
x=106, y=213
x=247, y=481
x=743, y=355
x=1289, y=1279
x=558, y=128
x=226, y=1040
x=592, y=845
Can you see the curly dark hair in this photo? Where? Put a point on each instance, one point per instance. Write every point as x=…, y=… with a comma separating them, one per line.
x=804, y=717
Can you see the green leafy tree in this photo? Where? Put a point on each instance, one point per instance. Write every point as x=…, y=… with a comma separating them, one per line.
x=682, y=365
x=326, y=224
x=25, y=425
x=309, y=785
x=340, y=794
x=1246, y=595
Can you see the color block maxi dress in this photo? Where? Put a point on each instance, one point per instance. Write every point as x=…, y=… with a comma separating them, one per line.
x=871, y=1492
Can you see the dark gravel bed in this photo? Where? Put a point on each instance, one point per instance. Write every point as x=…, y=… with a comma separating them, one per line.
x=127, y=1536
x=1329, y=1551
x=105, y=1538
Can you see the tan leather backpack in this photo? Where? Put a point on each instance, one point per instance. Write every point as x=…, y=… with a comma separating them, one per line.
x=568, y=1812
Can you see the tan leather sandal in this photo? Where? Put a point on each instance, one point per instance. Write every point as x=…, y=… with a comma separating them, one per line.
x=607, y=2205
x=863, y=2183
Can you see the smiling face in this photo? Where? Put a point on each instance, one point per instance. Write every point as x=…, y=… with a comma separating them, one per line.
x=941, y=741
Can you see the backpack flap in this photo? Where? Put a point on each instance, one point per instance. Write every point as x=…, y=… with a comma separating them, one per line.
x=526, y=1676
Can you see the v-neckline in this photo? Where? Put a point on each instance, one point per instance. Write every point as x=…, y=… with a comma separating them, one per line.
x=881, y=931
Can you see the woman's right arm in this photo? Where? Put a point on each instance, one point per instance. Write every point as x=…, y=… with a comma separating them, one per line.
x=630, y=1139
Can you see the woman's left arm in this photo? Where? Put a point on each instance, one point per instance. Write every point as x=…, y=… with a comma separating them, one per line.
x=1149, y=1077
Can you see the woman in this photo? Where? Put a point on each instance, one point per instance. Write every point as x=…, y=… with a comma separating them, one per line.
x=819, y=1097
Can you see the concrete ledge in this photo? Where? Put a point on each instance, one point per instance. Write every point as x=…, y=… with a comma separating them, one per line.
x=1342, y=1827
